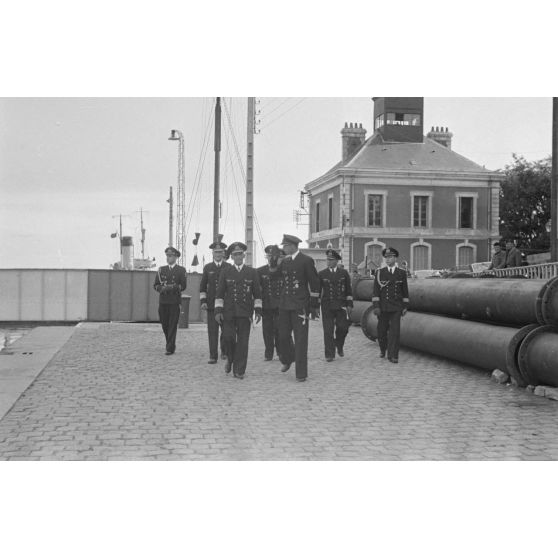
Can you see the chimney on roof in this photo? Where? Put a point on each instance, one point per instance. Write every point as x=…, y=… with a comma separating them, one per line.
x=440, y=135
x=353, y=136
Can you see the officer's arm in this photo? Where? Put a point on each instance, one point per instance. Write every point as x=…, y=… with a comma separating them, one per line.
x=157, y=284
x=203, y=286
x=376, y=290
x=257, y=294
x=183, y=280
x=349, y=290
x=405, y=289
x=220, y=294
x=314, y=283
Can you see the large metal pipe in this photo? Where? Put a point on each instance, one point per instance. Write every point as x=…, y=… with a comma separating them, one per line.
x=538, y=357
x=484, y=345
x=359, y=307
x=506, y=301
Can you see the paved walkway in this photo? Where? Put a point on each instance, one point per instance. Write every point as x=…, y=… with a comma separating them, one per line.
x=111, y=393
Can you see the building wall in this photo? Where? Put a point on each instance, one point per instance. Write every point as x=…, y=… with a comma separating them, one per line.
x=322, y=198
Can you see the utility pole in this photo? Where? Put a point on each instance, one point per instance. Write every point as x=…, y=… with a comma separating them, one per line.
x=169, y=201
x=250, y=181
x=554, y=185
x=217, y=148
x=177, y=135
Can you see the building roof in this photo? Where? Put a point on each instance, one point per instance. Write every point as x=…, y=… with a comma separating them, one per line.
x=376, y=153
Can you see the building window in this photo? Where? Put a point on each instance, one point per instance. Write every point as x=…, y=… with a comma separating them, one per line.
x=420, y=211
x=373, y=255
x=403, y=119
x=379, y=122
x=375, y=210
x=317, y=228
x=466, y=213
x=330, y=213
x=465, y=255
x=421, y=257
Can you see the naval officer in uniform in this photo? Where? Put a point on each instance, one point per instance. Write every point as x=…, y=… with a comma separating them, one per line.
x=169, y=283
x=271, y=281
x=390, y=301
x=299, y=300
x=238, y=297
x=337, y=302
x=208, y=288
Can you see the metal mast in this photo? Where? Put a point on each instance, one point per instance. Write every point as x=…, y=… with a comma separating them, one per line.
x=250, y=181
x=170, y=202
x=181, y=197
x=217, y=148
x=554, y=185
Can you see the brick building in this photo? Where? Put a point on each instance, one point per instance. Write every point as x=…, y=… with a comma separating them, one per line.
x=399, y=188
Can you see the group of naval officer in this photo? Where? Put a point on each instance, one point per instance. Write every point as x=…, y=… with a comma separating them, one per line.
x=284, y=294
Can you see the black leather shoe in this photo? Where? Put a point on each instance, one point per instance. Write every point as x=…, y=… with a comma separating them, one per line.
x=382, y=355
x=285, y=367
x=228, y=367
x=223, y=356
x=239, y=376
x=169, y=352
x=267, y=359
x=340, y=352
x=329, y=359
x=301, y=379
x=212, y=361
x=394, y=360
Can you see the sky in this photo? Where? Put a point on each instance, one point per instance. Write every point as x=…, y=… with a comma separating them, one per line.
x=70, y=166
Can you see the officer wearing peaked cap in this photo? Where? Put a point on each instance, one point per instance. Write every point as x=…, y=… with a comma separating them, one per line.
x=337, y=302
x=390, y=300
x=208, y=289
x=299, y=300
x=238, y=298
x=170, y=281
x=271, y=283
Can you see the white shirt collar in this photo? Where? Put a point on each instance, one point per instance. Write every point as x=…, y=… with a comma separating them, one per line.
x=171, y=266
x=239, y=267
x=295, y=254
x=218, y=264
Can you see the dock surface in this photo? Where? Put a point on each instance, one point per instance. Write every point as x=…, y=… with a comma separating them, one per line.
x=109, y=392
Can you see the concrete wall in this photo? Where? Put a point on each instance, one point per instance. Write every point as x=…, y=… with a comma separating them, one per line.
x=59, y=295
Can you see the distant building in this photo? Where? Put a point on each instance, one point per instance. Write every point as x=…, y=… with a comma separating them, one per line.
x=399, y=188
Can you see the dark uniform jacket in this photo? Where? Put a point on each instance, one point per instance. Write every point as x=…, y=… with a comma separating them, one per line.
x=209, y=282
x=238, y=292
x=175, y=278
x=301, y=284
x=513, y=258
x=498, y=260
x=271, y=283
x=336, y=289
x=391, y=292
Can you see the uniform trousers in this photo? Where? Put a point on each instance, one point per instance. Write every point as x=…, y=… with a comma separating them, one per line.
x=169, y=315
x=236, y=334
x=389, y=326
x=290, y=322
x=213, y=328
x=336, y=327
x=270, y=330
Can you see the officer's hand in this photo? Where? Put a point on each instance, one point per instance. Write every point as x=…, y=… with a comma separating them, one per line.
x=376, y=311
x=349, y=311
x=258, y=316
x=204, y=306
x=219, y=317
x=404, y=311
x=314, y=313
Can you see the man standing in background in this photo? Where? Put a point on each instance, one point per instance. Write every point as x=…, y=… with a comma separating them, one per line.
x=169, y=283
x=513, y=255
x=208, y=288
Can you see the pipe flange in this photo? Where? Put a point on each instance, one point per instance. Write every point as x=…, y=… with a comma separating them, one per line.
x=528, y=376
x=363, y=321
x=549, y=316
x=539, y=303
x=512, y=354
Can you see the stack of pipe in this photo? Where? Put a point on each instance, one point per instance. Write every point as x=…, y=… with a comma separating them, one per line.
x=510, y=324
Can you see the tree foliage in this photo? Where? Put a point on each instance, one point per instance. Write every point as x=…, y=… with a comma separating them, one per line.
x=525, y=202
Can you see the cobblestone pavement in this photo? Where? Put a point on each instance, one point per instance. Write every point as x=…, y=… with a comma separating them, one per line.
x=111, y=393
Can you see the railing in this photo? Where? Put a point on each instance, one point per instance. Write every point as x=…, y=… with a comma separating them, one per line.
x=537, y=271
